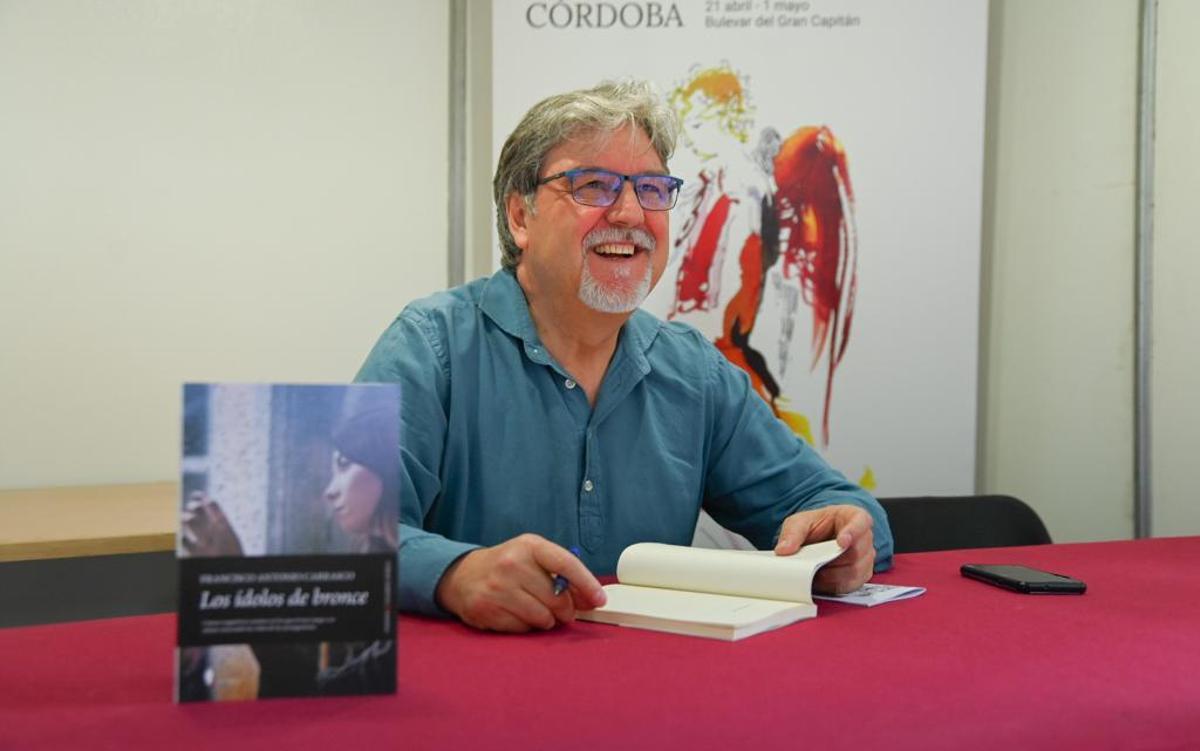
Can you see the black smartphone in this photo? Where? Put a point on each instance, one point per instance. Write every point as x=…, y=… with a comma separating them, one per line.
x=1030, y=581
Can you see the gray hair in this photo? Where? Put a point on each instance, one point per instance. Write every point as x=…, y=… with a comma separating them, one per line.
x=553, y=120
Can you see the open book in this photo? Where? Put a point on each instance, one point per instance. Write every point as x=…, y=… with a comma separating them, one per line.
x=718, y=594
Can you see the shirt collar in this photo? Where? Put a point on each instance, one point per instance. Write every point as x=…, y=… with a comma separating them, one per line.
x=504, y=302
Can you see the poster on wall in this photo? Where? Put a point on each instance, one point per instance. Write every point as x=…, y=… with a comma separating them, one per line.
x=827, y=237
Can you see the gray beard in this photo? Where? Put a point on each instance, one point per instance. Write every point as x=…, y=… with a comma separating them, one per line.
x=597, y=297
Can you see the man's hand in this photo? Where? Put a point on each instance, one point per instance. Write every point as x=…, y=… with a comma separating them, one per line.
x=510, y=587
x=851, y=527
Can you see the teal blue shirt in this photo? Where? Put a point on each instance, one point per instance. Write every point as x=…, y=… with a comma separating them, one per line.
x=498, y=440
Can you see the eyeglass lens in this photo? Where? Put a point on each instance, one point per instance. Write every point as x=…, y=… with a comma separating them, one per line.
x=601, y=188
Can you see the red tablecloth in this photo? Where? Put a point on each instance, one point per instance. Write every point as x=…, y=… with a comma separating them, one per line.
x=964, y=666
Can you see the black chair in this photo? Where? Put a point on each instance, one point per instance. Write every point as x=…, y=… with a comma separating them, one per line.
x=973, y=521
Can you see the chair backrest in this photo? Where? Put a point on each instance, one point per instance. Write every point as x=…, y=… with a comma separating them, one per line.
x=973, y=521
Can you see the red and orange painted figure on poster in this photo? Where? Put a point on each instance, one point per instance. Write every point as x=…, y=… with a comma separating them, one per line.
x=787, y=204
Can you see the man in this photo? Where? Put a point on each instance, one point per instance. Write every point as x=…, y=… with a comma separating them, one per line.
x=542, y=410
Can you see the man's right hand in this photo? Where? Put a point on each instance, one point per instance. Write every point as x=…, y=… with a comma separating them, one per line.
x=510, y=587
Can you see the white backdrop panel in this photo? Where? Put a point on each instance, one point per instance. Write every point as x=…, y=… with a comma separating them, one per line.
x=900, y=85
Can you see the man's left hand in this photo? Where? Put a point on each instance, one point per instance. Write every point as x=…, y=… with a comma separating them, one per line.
x=851, y=527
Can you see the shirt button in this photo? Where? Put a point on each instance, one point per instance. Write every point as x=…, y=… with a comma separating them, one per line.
x=569, y=383
x=587, y=486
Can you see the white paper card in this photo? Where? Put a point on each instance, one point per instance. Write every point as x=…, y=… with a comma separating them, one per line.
x=871, y=594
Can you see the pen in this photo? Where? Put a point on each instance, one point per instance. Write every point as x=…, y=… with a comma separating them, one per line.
x=560, y=581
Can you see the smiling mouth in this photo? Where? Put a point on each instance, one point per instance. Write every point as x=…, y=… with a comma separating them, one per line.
x=624, y=250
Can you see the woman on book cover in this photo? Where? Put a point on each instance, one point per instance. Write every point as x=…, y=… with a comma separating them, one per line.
x=362, y=495
x=364, y=471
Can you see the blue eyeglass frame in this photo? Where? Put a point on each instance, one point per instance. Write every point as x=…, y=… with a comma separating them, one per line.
x=675, y=184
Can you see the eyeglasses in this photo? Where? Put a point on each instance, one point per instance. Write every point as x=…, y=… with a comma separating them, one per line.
x=601, y=187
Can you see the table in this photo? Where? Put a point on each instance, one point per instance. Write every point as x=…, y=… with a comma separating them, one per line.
x=964, y=666
x=94, y=551
x=88, y=520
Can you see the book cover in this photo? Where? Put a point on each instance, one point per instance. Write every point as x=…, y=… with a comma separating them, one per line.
x=287, y=541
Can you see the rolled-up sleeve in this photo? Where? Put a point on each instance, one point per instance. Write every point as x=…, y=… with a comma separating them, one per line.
x=759, y=472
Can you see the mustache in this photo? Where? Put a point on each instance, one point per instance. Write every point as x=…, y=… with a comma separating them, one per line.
x=638, y=237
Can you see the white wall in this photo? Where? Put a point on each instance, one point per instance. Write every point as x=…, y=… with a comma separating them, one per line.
x=481, y=217
x=1057, y=412
x=1176, y=313
x=1059, y=265
x=216, y=190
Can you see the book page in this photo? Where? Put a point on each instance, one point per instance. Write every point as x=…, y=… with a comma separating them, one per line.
x=695, y=613
x=745, y=573
x=695, y=607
